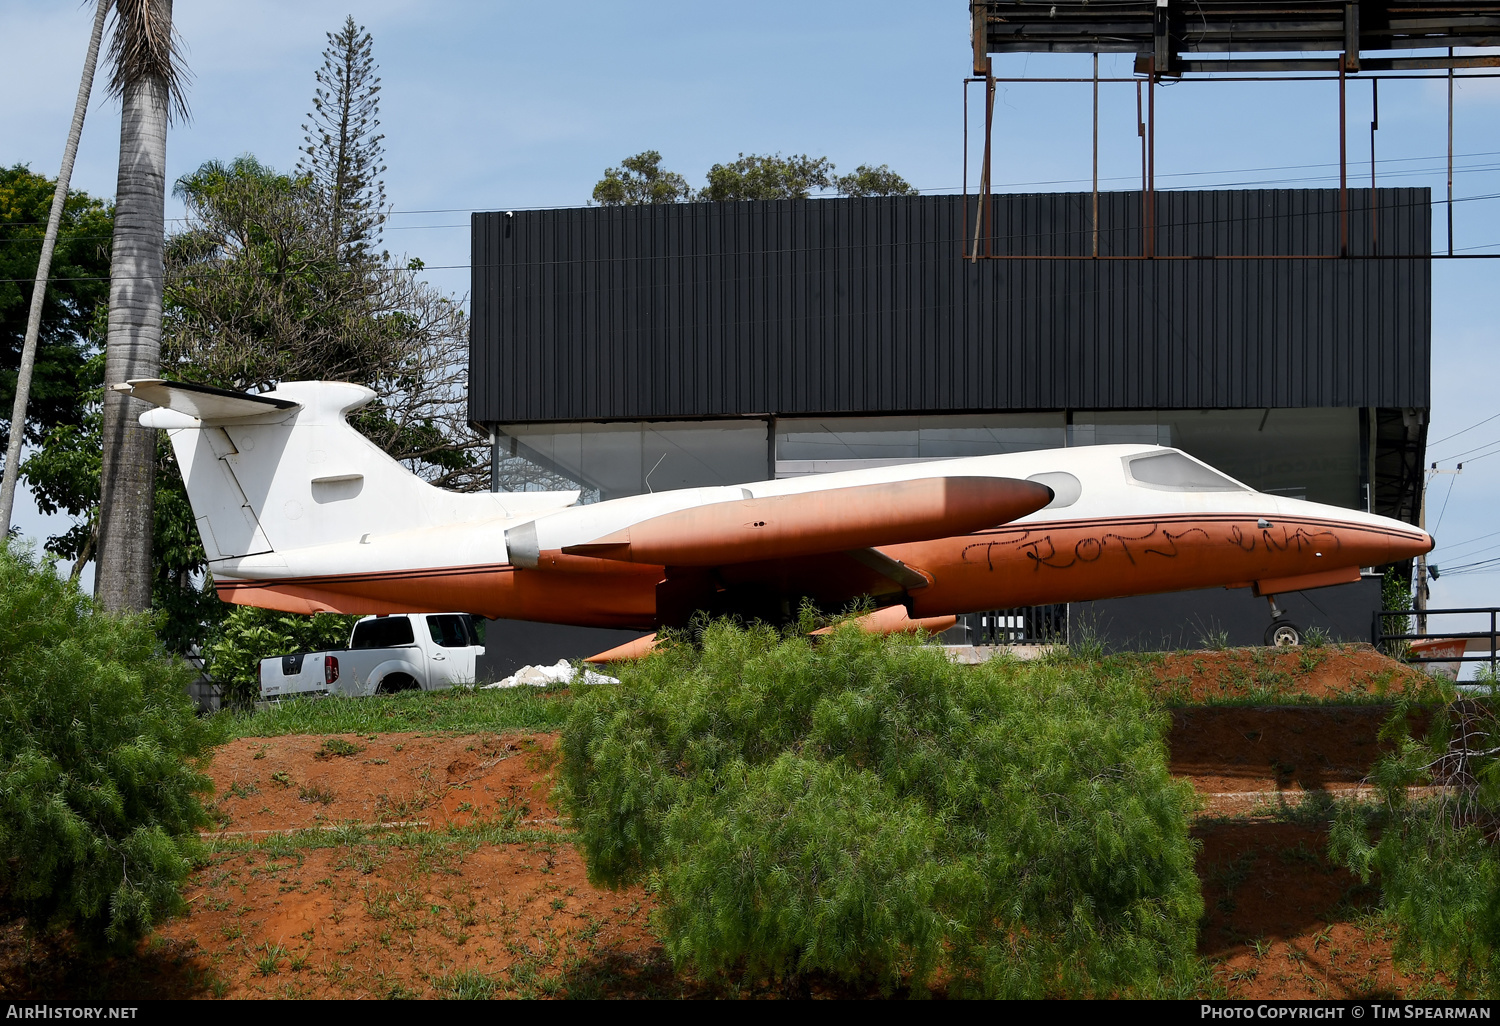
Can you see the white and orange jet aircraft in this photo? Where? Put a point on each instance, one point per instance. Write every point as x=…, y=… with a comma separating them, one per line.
x=300, y=512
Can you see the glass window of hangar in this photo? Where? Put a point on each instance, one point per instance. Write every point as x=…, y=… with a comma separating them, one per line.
x=1302, y=453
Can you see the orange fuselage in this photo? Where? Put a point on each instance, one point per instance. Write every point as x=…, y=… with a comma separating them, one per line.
x=1022, y=565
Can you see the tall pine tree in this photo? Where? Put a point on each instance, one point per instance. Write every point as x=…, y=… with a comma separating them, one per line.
x=342, y=151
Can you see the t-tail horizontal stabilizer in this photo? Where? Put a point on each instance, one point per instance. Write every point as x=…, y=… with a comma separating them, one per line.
x=283, y=488
x=203, y=403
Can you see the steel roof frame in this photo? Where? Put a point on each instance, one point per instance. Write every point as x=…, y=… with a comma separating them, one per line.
x=1159, y=32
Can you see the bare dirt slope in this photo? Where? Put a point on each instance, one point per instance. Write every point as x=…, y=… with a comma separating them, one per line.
x=473, y=888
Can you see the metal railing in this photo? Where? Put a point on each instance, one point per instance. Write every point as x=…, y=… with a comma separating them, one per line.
x=1381, y=635
x=1022, y=625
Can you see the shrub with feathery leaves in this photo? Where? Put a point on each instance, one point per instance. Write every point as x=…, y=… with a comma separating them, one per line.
x=862, y=808
x=99, y=794
x=1435, y=853
x=249, y=634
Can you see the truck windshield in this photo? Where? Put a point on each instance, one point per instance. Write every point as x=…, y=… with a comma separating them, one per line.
x=449, y=631
x=383, y=632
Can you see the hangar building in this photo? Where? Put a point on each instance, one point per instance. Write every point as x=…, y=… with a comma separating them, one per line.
x=622, y=349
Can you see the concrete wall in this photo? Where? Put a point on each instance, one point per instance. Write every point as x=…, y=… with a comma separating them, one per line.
x=512, y=644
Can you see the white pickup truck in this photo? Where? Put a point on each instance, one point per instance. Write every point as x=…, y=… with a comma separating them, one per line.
x=386, y=654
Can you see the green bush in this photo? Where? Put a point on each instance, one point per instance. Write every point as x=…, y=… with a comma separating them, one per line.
x=865, y=809
x=249, y=634
x=1396, y=593
x=99, y=793
x=1435, y=854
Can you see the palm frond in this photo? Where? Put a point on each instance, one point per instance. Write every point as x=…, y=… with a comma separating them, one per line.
x=143, y=45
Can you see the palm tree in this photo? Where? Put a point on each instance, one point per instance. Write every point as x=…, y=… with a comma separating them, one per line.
x=43, y=268
x=148, y=77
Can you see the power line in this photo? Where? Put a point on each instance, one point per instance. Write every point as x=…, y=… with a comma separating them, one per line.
x=1471, y=427
x=1483, y=566
x=1482, y=537
x=945, y=189
x=1477, y=448
x=1451, y=482
x=1482, y=455
x=1464, y=555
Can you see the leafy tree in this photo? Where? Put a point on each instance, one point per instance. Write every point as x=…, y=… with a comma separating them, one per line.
x=64, y=477
x=36, y=308
x=257, y=292
x=341, y=152
x=767, y=178
x=873, y=181
x=64, y=472
x=80, y=265
x=248, y=635
x=260, y=292
x=641, y=179
x=267, y=283
x=1396, y=593
x=99, y=785
x=864, y=808
x=1435, y=854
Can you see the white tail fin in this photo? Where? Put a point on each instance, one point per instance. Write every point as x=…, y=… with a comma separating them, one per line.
x=284, y=471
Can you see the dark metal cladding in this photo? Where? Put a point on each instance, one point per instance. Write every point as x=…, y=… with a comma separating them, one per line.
x=869, y=306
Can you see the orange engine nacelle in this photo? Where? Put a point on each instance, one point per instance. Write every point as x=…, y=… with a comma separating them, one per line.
x=810, y=523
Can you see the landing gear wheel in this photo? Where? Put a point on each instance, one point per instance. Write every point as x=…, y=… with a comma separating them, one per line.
x=1283, y=634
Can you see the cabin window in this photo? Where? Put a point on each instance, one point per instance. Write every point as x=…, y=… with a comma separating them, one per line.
x=1174, y=472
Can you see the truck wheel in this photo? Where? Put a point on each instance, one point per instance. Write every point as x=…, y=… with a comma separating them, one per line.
x=394, y=682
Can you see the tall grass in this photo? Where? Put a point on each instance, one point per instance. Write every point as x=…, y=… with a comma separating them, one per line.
x=457, y=710
x=863, y=808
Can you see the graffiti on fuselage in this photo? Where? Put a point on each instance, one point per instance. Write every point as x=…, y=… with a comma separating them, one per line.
x=1301, y=539
x=1135, y=543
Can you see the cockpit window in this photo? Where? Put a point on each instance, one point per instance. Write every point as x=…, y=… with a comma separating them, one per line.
x=1174, y=472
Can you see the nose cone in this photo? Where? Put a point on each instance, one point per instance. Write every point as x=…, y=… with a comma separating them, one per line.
x=1409, y=544
x=1365, y=539
x=1391, y=542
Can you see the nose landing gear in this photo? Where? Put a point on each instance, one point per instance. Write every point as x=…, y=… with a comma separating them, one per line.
x=1282, y=633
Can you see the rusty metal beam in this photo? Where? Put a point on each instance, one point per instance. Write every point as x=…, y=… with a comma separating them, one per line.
x=1330, y=64
x=1351, y=37
x=977, y=20
x=1167, y=29
x=1245, y=256
x=1343, y=166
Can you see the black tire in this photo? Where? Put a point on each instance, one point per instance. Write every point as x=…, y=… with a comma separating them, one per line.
x=392, y=683
x=1283, y=634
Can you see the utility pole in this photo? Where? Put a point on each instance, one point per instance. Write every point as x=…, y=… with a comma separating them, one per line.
x=1419, y=593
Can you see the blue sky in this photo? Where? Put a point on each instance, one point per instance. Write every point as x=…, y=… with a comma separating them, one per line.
x=515, y=105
